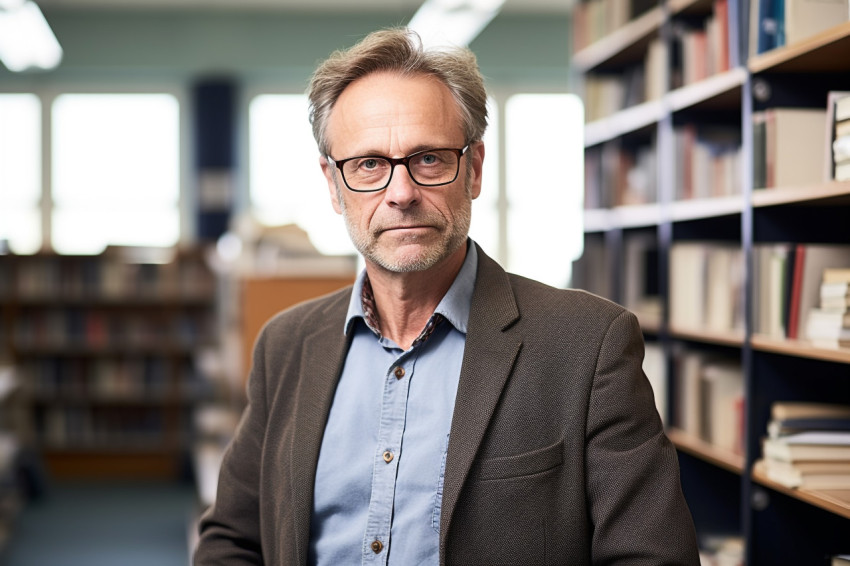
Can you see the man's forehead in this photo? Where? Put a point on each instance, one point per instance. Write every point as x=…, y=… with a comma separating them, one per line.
x=381, y=109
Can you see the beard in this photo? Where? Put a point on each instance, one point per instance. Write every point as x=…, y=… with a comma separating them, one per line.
x=426, y=251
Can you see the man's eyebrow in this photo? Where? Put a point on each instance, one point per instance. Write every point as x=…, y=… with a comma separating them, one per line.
x=414, y=149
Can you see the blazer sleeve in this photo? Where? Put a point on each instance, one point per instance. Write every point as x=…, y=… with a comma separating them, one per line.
x=638, y=511
x=230, y=529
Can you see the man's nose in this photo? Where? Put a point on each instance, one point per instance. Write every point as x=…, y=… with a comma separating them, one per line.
x=402, y=192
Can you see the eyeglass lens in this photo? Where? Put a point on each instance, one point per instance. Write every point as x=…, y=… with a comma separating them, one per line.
x=434, y=167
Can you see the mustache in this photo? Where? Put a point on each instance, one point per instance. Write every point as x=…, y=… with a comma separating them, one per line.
x=408, y=219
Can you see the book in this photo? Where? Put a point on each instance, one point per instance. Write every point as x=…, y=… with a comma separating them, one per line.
x=805, y=18
x=833, y=97
x=721, y=411
x=794, y=150
x=828, y=324
x=784, y=427
x=810, y=263
x=807, y=474
x=806, y=446
x=836, y=275
x=781, y=410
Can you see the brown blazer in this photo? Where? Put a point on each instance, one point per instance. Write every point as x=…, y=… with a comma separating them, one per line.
x=556, y=456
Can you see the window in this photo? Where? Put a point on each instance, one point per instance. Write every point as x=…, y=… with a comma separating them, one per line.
x=287, y=184
x=20, y=172
x=116, y=171
x=545, y=185
x=485, y=209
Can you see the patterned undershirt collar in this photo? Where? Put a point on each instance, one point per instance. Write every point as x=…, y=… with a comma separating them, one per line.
x=373, y=321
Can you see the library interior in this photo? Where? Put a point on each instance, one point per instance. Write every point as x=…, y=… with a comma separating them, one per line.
x=161, y=199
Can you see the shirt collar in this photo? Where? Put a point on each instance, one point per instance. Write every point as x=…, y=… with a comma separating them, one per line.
x=454, y=305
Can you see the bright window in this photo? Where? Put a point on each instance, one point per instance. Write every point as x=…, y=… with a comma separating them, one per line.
x=287, y=184
x=485, y=209
x=116, y=171
x=20, y=172
x=545, y=180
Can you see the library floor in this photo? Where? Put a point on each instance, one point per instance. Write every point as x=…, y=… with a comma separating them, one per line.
x=96, y=524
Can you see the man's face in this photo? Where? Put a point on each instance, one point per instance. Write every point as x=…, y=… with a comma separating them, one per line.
x=405, y=227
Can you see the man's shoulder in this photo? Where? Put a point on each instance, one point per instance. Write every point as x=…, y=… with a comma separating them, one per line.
x=312, y=312
x=531, y=292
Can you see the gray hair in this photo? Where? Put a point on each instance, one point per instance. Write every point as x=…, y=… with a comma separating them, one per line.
x=399, y=50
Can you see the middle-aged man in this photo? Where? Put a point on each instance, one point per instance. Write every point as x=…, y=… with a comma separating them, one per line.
x=442, y=411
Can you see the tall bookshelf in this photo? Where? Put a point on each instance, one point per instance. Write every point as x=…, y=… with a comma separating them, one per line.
x=105, y=352
x=643, y=212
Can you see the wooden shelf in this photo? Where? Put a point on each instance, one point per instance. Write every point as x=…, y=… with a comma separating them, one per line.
x=695, y=209
x=677, y=7
x=625, y=45
x=730, y=338
x=720, y=91
x=626, y=121
x=800, y=348
x=824, y=52
x=835, y=500
x=827, y=193
x=703, y=450
x=629, y=216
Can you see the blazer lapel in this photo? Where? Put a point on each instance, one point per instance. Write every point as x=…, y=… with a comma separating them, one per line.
x=487, y=361
x=323, y=354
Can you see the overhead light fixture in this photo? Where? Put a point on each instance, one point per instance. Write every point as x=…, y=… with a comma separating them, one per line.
x=26, y=40
x=453, y=22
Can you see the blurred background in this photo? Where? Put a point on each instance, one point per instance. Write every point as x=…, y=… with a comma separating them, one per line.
x=160, y=199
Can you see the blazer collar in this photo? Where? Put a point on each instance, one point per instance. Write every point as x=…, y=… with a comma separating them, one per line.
x=488, y=357
x=323, y=355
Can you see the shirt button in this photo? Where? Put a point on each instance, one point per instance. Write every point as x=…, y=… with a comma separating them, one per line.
x=388, y=456
x=377, y=546
x=399, y=372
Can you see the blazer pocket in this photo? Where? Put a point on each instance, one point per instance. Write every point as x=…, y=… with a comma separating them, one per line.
x=525, y=464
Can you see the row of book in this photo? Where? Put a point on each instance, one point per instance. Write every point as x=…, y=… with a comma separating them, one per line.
x=709, y=402
x=792, y=278
x=617, y=175
x=807, y=445
x=775, y=23
x=708, y=161
x=706, y=287
x=595, y=19
x=144, y=378
x=828, y=325
x=702, y=49
x=100, y=278
x=798, y=147
x=117, y=428
x=99, y=329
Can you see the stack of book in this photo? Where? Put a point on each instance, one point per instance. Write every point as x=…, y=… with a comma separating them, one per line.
x=841, y=137
x=829, y=324
x=808, y=446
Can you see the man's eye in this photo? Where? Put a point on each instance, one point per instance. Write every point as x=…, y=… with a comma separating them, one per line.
x=369, y=164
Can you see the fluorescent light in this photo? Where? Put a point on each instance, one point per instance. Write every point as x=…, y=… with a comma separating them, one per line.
x=26, y=40
x=453, y=22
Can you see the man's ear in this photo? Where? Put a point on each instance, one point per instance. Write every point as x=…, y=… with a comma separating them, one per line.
x=330, y=176
x=476, y=154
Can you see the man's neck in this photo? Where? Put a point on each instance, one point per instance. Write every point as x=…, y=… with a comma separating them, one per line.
x=405, y=301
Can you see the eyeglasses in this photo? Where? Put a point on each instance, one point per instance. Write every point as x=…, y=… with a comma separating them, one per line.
x=428, y=168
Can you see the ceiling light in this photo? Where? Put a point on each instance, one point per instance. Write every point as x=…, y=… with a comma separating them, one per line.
x=26, y=40
x=453, y=22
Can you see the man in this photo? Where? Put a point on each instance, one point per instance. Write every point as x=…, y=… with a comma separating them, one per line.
x=442, y=410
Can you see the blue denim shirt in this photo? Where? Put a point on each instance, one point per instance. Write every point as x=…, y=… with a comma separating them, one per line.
x=379, y=479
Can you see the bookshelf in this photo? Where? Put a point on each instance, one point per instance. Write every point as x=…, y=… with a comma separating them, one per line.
x=105, y=349
x=728, y=497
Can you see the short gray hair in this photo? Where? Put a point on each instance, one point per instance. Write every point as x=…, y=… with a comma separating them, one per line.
x=399, y=50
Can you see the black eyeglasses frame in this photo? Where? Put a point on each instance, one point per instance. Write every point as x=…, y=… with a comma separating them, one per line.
x=394, y=161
